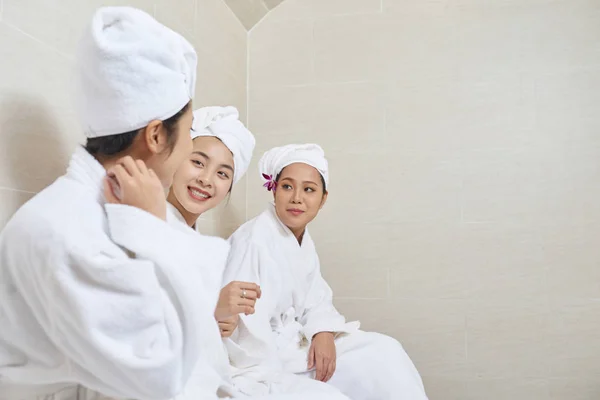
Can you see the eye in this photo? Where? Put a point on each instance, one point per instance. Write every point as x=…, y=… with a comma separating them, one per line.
x=198, y=163
x=286, y=186
x=223, y=174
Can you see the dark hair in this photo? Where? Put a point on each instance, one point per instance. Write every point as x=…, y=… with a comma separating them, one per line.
x=320, y=175
x=114, y=144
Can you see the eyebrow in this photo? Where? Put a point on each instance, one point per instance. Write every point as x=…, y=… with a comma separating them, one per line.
x=293, y=180
x=203, y=154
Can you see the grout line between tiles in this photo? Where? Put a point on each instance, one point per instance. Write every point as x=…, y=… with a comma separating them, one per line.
x=16, y=190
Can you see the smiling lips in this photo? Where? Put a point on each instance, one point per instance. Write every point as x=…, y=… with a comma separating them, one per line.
x=198, y=194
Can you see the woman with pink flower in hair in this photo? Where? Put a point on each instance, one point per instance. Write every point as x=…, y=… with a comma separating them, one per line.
x=295, y=327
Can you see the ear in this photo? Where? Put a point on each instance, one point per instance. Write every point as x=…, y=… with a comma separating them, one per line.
x=155, y=137
x=324, y=200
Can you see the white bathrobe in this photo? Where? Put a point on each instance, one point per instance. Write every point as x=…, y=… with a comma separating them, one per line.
x=105, y=296
x=295, y=388
x=297, y=304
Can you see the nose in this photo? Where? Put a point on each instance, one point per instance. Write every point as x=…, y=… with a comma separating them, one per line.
x=297, y=196
x=203, y=178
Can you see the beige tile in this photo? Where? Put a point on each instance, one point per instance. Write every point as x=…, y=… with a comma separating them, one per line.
x=348, y=117
x=278, y=110
x=10, y=201
x=431, y=331
x=364, y=279
x=425, y=261
x=374, y=314
x=503, y=260
x=349, y=48
x=281, y=53
x=568, y=96
x=272, y=3
x=573, y=336
x=424, y=7
x=417, y=45
x=45, y=21
x=490, y=44
x=249, y=12
x=311, y=9
x=571, y=256
x=508, y=389
x=212, y=227
x=507, y=338
x=446, y=388
x=221, y=37
x=505, y=183
x=571, y=46
x=179, y=16
x=39, y=127
x=217, y=86
x=340, y=117
x=451, y=116
x=574, y=389
x=59, y=24
x=422, y=118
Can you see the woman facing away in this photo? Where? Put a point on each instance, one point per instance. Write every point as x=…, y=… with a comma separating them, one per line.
x=99, y=295
x=295, y=327
x=222, y=150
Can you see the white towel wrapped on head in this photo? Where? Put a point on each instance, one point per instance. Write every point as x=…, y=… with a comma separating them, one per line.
x=132, y=70
x=275, y=160
x=224, y=123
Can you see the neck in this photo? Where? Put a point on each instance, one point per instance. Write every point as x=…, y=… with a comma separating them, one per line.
x=298, y=233
x=190, y=219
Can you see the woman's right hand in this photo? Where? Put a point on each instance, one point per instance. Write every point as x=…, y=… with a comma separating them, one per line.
x=237, y=298
x=131, y=183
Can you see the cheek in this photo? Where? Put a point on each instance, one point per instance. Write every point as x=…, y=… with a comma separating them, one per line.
x=222, y=190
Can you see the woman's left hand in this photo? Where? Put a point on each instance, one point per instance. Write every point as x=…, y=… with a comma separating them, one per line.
x=322, y=356
x=228, y=325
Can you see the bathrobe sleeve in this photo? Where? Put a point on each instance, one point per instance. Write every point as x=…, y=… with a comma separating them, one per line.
x=320, y=315
x=128, y=327
x=252, y=350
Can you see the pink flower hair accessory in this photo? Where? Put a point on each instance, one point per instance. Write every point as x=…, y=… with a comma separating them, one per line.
x=270, y=183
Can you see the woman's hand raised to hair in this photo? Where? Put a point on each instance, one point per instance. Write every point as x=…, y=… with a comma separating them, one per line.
x=131, y=183
x=237, y=298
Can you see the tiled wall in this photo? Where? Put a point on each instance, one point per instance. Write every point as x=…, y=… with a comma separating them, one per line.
x=38, y=127
x=465, y=171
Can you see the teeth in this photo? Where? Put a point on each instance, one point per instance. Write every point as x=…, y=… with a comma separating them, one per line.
x=198, y=194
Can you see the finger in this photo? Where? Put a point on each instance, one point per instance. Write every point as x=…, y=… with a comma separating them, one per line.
x=118, y=173
x=321, y=368
x=109, y=193
x=330, y=371
x=226, y=334
x=248, y=286
x=129, y=164
x=152, y=173
x=245, y=302
x=311, y=357
x=259, y=293
x=248, y=294
x=242, y=309
x=142, y=167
